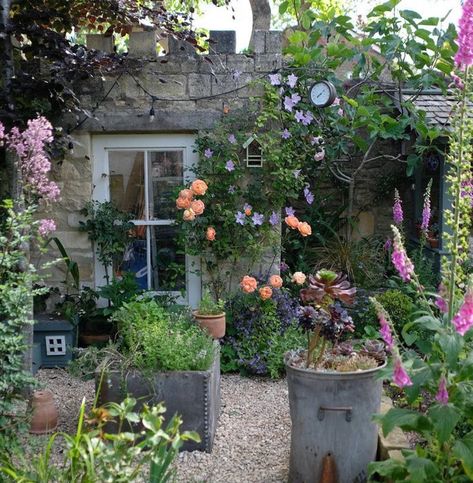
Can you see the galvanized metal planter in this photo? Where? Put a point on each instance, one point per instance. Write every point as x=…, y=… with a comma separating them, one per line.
x=194, y=395
x=331, y=414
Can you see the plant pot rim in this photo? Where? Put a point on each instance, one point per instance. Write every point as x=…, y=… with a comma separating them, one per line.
x=307, y=372
x=196, y=313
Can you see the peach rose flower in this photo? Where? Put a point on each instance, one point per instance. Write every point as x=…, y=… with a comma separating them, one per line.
x=199, y=187
x=248, y=284
x=188, y=215
x=304, y=228
x=275, y=281
x=210, y=234
x=198, y=207
x=265, y=293
x=298, y=278
x=183, y=203
x=292, y=221
x=186, y=193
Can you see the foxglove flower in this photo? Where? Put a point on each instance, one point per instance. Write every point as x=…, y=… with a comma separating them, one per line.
x=398, y=215
x=458, y=81
x=426, y=209
x=292, y=81
x=387, y=336
x=399, y=257
x=388, y=244
x=442, y=393
x=440, y=301
x=464, y=55
x=463, y=320
x=400, y=376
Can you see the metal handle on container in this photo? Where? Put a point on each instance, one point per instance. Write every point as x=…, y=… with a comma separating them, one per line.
x=347, y=410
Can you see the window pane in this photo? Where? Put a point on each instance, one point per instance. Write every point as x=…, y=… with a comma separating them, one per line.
x=166, y=173
x=168, y=263
x=135, y=261
x=127, y=181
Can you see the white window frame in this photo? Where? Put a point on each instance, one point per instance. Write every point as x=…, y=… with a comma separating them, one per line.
x=101, y=145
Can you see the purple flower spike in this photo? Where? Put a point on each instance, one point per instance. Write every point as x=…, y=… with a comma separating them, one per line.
x=257, y=219
x=464, y=55
x=426, y=209
x=240, y=218
x=398, y=215
x=463, y=320
x=400, y=376
x=442, y=393
x=208, y=153
x=230, y=166
x=399, y=257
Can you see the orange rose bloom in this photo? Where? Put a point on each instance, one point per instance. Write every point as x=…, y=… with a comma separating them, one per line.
x=199, y=187
x=292, y=221
x=186, y=194
x=275, y=281
x=299, y=278
x=189, y=215
x=210, y=234
x=248, y=212
x=265, y=293
x=198, y=207
x=304, y=228
x=248, y=284
x=183, y=203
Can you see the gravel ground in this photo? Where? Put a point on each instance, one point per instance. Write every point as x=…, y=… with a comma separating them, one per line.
x=252, y=440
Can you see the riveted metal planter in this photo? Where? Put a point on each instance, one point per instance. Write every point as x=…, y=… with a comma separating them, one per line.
x=194, y=395
x=331, y=414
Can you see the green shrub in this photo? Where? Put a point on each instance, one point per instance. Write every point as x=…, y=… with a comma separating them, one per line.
x=208, y=307
x=399, y=305
x=152, y=338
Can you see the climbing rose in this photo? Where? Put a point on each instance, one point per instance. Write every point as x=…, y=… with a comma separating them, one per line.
x=46, y=226
x=188, y=215
x=199, y=187
x=265, y=293
x=186, y=193
x=400, y=376
x=399, y=257
x=275, y=281
x=398, y=215
x=210, y=233
x=248, y=284
x=247, y=209
x=304, y=228
x=464, y=55
x=198, y=207
x=298, y=278
x=463, y=320
x=292, y=222
x=183, y=203
x=442, y=393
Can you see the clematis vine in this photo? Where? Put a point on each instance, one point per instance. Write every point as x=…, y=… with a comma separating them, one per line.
x=309, y=196
x=274, y=219
x=240, y=218
x=257, y=219
x=290, y=211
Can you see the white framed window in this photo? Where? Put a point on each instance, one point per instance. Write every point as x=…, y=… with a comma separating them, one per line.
x=139, y=174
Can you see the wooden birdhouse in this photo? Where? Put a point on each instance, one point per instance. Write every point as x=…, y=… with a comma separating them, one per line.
x=254, y=153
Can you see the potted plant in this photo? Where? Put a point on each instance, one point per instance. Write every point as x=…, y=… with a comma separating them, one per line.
x=333, y=386
x=210, y=315
x=164, y=356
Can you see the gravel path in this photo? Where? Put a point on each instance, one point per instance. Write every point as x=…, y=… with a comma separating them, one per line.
x=253, y=434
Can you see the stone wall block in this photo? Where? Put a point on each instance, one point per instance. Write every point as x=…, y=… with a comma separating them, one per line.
x=180, y=47
x=199, y=85
x=240, y=63
x=226, y=83
x=213, y=64
x=259, y=41
x=268, y=62
x=273, y=44
x=100, y=42
x=142, y=45
x=169, y=86
x=222, y=41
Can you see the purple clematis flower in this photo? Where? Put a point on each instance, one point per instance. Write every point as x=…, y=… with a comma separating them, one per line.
x=309, y=196
x=275, y=79
x=257, y=219
x=231, y=189
x=247, y=207
x=232, y=139
x=292, y=81
x=290, y=211
x=299, y=116
x=297, y=173
x=308, y=118
x=230, y=166
x=236, y=74
x=274, y=218
x=208, y=153
x=286, y=134
x=288, y=103
x=240, y=218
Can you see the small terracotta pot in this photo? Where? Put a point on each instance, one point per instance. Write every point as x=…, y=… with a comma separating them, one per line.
x=433, y=242
x=90, y=339
x=213, y=324
x=44, y=413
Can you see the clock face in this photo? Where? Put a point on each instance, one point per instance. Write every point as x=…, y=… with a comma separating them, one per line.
x=322, y=94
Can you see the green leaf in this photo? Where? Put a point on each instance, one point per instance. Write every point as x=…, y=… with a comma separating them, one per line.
x=463, y=450
x=431, y=21
x=392, y=468
x=405, y=419
x=420, y=469
x=428, y=322
x=451, y=344
x=445, y=419
x=283, y=7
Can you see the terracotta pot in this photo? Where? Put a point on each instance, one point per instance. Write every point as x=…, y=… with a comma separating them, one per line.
x=44, y=413
x=433, y=242
x=214, y=324
x=90, y=339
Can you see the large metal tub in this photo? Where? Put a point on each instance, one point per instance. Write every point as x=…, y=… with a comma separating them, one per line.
x=194, y=395
x=332, y=414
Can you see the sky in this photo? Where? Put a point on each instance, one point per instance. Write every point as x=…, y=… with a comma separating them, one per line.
x=220, y=18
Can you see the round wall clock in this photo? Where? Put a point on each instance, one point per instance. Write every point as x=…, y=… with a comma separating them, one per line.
x=322, y=93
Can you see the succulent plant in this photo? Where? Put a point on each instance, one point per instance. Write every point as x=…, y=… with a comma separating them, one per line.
x=343, y=349
x=327, y=286
x=374, y=349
